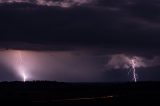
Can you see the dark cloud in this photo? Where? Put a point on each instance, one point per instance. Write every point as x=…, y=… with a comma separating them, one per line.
x=50, y=3
x=106, y=23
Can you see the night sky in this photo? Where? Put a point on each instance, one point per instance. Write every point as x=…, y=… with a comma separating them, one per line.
x=79, y=40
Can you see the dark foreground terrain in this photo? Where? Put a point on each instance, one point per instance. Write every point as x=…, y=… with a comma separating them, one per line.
x=78, y=94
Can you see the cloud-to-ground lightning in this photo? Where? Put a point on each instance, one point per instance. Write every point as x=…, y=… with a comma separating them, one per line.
x=131, y=63
x=133, y=69
x=24, y=76
x=20, y=66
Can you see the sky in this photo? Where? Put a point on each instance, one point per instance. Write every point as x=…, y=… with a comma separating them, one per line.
x=79, y=40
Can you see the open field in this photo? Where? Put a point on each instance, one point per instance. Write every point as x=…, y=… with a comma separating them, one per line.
x=49, y=93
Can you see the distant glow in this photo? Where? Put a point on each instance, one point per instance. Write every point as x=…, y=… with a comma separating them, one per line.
x=21, y=69
x=24, y=77
x=22, y=73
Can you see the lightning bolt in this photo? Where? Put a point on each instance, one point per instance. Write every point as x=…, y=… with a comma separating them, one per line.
x=20, y=65
x=133, y=69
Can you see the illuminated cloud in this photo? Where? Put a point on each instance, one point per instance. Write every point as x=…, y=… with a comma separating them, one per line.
x=58, y=3
x=122, y=61
x=50, y=65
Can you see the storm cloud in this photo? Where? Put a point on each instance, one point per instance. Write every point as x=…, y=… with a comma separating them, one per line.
x=58, y=3
x=122, y=61
x=88, y=22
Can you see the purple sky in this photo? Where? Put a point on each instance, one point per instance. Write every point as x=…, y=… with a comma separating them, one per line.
x=79, y=40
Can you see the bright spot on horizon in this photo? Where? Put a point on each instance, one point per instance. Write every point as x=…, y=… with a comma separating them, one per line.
x=23, y=74
x=24, y=77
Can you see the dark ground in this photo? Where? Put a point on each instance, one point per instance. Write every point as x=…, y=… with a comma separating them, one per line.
x=78, y=94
